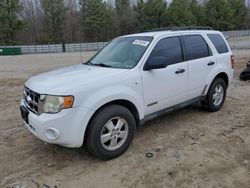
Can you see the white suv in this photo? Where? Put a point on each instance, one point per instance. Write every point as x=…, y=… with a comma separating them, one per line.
x=134, y=78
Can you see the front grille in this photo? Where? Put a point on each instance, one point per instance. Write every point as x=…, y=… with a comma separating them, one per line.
x=32, y=100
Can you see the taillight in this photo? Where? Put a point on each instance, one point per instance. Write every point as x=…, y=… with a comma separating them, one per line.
x=232, y=61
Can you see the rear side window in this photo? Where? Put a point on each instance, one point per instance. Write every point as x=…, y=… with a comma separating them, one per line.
x=219, y=43
x=170, y=49
x=196, y=47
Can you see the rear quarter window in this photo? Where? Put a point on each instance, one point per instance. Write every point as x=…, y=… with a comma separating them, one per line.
x=218, y=43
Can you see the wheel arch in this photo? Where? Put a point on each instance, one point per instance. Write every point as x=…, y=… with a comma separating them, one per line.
x=122, y=102
x=208, y=100
x=224, y=77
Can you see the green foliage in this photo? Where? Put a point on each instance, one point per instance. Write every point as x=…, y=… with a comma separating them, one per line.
x=239, y=13
x=54, y=20
x=101, y=21
x=156, y=13
x=120, y=5
x=151, y=14
x=125, y=17
x=219, y=14
x=96, y=20
x=9, y=20
x=198, y=12
x=247, y=19
x=180, y=13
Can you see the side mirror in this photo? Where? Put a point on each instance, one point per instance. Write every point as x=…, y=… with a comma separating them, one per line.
x=155, y=63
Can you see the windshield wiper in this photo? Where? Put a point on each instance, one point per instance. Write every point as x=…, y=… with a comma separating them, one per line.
x=88, y=63
x=101, y=65
x=96, y=64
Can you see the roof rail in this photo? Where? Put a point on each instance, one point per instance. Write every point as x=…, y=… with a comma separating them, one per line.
x=179, y=28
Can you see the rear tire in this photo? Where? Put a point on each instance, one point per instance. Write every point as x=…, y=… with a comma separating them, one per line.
x=110, y=132
x=216, y=95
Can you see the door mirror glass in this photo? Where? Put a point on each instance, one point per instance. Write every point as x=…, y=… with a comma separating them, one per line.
x=155, y=63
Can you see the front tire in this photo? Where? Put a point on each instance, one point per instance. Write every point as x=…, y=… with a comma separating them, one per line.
x=110, y=132
x=216, y=95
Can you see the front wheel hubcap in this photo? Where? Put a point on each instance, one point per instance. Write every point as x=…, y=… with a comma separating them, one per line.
x=218, y=95
x=114, y=133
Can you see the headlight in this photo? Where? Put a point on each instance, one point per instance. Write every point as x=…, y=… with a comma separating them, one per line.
x=54, y=104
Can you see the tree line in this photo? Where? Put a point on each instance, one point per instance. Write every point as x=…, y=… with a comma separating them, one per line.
x=68, y=21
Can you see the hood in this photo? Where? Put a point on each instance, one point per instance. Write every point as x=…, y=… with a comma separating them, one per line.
x=59, y=81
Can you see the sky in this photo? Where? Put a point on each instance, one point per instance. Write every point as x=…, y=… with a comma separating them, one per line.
x=248, y=3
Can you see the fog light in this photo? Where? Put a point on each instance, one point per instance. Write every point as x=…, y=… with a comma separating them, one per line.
x=52, y=133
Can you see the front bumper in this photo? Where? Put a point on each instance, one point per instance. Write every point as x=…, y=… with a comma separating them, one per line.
x=65, y=128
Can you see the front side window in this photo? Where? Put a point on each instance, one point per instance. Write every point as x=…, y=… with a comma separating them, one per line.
x=124, y=52
x=169, y=50
x=195, y=47
x=218, y=43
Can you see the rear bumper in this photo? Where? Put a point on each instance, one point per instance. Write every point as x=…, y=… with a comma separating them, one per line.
x=65, y=128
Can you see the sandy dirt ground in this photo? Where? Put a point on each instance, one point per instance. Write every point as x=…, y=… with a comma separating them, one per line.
x=191, y=147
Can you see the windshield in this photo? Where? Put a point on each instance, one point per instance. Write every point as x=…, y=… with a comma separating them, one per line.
x=124, y=52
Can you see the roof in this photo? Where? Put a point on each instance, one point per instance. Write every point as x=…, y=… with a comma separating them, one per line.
x=157, y=34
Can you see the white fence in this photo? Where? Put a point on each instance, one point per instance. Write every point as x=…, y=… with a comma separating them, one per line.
x=95, y=46
x=237, y=33
x=58, y=48
x=82, y=47
x=39, y=49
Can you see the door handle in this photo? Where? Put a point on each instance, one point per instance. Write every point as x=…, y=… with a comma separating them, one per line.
x=179, y=71
x=210, y=63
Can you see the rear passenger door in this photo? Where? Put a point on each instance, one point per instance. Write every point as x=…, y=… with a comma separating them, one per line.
x=200, y=63
x=223, y=53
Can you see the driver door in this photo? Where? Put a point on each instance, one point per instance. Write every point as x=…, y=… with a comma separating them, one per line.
x=165, y=87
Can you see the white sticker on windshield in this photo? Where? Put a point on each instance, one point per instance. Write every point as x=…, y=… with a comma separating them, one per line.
x=141, y=42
